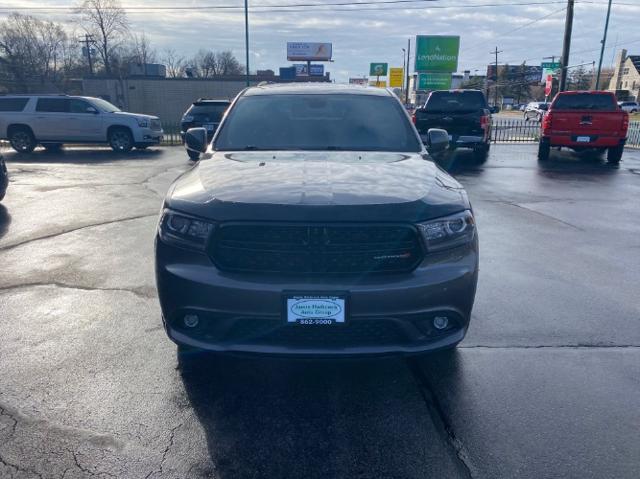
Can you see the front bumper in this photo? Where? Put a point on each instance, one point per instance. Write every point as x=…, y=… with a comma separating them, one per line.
x=147, y=136
x=388, y=314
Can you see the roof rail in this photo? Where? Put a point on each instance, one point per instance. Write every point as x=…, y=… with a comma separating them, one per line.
x=33, y=94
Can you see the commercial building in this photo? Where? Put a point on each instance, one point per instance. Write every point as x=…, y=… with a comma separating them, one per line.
x=168, y=98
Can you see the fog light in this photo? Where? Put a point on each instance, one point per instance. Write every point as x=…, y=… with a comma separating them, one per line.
x=439, y=322
x=191, y=320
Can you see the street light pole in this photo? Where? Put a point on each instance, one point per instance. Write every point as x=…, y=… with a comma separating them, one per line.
x=604, y=41
x=407, y=72
x=246, y=35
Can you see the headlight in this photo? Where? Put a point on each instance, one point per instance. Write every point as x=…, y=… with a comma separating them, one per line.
x=143, y=123
x=182, y=230
x=448, y=232
x=187, y=118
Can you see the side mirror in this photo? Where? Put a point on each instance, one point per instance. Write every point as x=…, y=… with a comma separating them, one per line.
x=437, y=141
x=196, y=140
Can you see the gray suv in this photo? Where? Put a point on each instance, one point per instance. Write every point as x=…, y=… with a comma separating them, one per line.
x=52, y=120
x=316, y=223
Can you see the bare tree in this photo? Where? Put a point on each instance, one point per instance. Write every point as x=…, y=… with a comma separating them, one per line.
x=208, y=63
x=175, y=63
x=107, y=21
x=31, y=49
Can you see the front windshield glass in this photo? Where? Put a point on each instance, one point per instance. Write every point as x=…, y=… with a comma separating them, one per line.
x=317, y=122
x=103, y=105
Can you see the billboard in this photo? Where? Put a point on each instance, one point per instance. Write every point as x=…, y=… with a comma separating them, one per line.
x=434, y=81
x=309, y=51
x=378, y=69
x=437, y=53
x=515, y=73
x=301, y=70
x=379, y=83
x=396, y=75
x=359, y=81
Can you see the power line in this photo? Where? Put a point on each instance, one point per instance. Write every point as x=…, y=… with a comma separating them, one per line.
x=266, y=8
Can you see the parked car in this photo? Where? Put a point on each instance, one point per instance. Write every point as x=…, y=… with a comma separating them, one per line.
x=585, y=120
x=629, y=106
x=204, y=113
x=316, y=223
x=463, y=113
x=52, y=120
x=4, y=178
x=535, y=110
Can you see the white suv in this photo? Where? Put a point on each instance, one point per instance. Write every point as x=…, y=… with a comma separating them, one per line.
x=629, y=106
x=51, y=120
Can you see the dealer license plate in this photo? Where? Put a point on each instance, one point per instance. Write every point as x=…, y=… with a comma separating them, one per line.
x=315, y=309
x=583, y=139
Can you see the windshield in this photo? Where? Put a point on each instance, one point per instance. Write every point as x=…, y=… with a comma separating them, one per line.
x=103, y=105
x=455, y=101
x=210, y=110
x=585, y=101
x=317, y=122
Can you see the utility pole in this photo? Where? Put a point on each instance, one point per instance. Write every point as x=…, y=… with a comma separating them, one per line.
x=603, y=41
x=246, y=35
x=88, y=41
x=566, y=46
x=407, y=72
x=495, y=84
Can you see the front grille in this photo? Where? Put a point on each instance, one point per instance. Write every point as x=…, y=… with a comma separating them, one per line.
x=156, y=125
x=361, y=332
x=316, y=249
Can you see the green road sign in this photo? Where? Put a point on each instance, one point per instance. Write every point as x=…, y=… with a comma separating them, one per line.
x=434, y=81
x=436, y=53
x=549, y=68
x=378, y=69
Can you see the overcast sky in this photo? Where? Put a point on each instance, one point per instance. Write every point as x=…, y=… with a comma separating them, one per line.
x=364, y=34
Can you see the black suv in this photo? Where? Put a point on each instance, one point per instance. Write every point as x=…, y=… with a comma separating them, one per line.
x=463, y=113
x=203, y=113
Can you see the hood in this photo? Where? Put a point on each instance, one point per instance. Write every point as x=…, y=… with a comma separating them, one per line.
x=135, y=115
x=329, y=186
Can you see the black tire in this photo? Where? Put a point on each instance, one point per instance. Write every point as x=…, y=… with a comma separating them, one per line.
x=22, y=139
x=142, y=147
x=614, y=155
x=193, y=155
x=526, y=117
x=544, y=149
x=52, y=147
x=120, y=140
x=480, y=154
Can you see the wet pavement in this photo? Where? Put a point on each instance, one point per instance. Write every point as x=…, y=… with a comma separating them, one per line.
x=546, y=384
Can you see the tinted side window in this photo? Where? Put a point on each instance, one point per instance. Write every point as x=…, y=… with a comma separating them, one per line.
x=13, y=104
x=79, y=106
x=53, y=105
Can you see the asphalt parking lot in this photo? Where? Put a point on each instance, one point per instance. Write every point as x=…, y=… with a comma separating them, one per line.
x=546, y=384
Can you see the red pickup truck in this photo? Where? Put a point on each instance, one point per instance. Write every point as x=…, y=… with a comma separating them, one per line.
x=584, y=120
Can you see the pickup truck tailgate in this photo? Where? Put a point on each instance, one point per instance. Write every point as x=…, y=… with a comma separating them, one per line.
x=575, y=122
x=455, y=123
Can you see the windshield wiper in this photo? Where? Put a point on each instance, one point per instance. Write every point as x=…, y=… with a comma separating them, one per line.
x=251, y=148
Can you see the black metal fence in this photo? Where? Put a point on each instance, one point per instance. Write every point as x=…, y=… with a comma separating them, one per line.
x=514, y=130
x=503, y=130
